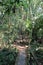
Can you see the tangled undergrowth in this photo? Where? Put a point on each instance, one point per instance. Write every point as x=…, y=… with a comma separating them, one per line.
x=8, y=56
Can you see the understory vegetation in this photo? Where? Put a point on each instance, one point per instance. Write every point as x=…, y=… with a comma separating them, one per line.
x=36, y=44
x=8, y=56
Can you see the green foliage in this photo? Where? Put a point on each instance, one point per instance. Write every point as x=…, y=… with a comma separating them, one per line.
x=8, y=56
x=37, y=31
x=28, y=24
x=39, y=22
x=39, y=54
x=8, y=6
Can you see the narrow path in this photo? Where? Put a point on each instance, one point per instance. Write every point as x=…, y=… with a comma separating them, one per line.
x=21, y=56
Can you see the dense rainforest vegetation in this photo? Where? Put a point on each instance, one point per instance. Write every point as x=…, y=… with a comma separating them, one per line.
x=25, y=18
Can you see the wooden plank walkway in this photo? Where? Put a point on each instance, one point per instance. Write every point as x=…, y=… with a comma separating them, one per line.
x=21, y=60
